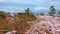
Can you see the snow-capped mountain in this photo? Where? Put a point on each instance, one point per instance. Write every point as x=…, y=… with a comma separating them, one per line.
x=11, y=10
x=40, y=11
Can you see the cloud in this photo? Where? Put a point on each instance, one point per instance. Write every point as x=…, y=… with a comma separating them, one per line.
x=10, y=1
x=2, y=0
x=56, y=4
x=18, y=1
x=43, y=3
x=36, y=2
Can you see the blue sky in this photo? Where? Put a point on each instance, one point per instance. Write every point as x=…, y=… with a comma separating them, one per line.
x=32, y=4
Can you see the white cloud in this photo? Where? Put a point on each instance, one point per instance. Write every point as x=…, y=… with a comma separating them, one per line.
x=56, y=4
x=37, y=2
x=9, y=0
x=18, y=1
x=2, y=0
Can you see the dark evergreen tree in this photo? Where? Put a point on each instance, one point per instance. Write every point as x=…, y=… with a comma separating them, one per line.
x=27, y=11
x=52, y=10
x=59, y=12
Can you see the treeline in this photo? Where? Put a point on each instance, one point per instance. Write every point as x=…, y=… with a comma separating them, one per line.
x=52, y=11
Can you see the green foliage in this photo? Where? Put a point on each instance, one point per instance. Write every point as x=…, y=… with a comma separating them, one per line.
x=20, y=13
x=7, y=14
x=5, y=30
x=51, y=13
x=31, y=15
x=2, y=14
x=59, y=12
x=42, y=14
x=52, y=10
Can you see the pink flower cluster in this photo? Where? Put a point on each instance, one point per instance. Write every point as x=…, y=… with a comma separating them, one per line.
x=47, y=24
